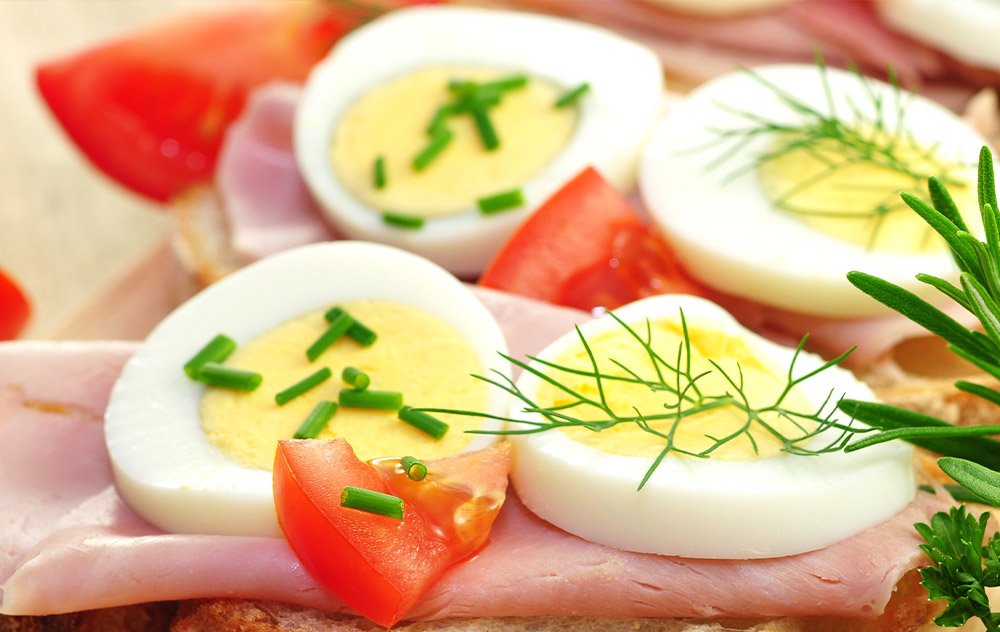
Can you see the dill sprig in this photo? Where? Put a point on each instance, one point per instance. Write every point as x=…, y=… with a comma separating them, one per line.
x=874, y=136
x=683, y=394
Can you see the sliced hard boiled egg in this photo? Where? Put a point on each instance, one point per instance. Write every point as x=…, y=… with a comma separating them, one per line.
x=772, y=184
x=966, y=29
x=192, y=458
x=439, y=129
x=717, y=493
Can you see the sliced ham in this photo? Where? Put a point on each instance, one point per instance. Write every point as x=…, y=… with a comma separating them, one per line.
x=267, y=203
x=73, y=544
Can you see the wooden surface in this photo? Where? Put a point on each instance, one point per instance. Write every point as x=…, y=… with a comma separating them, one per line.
x=67, y=233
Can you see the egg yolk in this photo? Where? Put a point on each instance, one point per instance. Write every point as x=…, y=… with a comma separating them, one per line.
x=416, y=354
x=856, y=199
x=619, y=355
x=391, y=121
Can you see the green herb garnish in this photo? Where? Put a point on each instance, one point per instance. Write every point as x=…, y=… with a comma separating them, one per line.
x=401, y=220
x=302, y=386
x=439, y=140
x=355, y=377
x=378, y=172
x=317, y=419
x=338, y=327
x=216, y=350
x=500, y=202
x=683, y=397
x=963, y=569
x=423, y=422
x=573, y=95
x=415, y=470
x=372, y=502
x=215, y=374
x=368, y=398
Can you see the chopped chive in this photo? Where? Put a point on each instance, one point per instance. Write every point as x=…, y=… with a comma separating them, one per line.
x=356, y=378
x=442, y=136
x=378, y=400
x=302, y=386
x=215, y=374
x=317, y=419
x=372, y=502
x=358, y=332
x=501, y=201
x=423, y=422
x=570, y=97
x=412, y=222
x=415, y=470
x=338, y=327
x=440, y=116
x=511, y=82
x=478, y=100
x=379, y=172
x=217, y=350
x=460, y=85
x=487, y=133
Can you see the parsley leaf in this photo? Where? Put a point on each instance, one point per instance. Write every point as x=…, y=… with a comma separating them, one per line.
x=964, y=566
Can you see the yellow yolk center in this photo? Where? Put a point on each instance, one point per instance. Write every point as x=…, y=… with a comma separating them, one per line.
x=762, y=385
x=416, y=354
x=857, y=200
x=391, y=121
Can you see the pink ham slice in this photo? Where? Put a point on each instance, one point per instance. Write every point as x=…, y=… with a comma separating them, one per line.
x=70, y=543
x=267, y=204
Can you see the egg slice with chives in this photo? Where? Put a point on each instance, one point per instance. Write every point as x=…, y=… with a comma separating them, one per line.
x=439, y=129
x=192, y=457
x=685, y=374
x=772, y=183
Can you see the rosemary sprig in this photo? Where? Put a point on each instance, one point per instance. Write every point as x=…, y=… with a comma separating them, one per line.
x=963, y=566
x=875, y=136
x=683, y=394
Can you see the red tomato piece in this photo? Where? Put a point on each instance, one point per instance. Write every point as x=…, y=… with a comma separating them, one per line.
x=381, y=566
x=587, y=247
x=14, y=308
x=150, y=109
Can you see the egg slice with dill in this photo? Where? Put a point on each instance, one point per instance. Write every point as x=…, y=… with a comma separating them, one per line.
x=192, y=428
x=667, y=427
x=438, y=129
x=772, y=183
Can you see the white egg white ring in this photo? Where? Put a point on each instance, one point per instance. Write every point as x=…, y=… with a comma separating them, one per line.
x=729, y=235
x=626, y=86
x=966, y=29
x=706, y=508
x=164, y=466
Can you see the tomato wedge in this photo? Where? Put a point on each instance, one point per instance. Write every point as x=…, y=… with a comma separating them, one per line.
x=150, y=109
x=14, y=308
x=586, y=247
x=380, y=566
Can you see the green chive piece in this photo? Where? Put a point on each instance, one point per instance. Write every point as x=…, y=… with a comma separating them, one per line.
x=338, y=327
x=358, y=332
x=379, y=172
x=487, y=133
x=317, y=419
x=372, y=502
x=356, y=378
x=215, y=374
x=412, y=222
x=438, y=142
x=512, y=82
x=501, y=202
x=440, y=116
x=217, y=350
x=378, y=400
x=423, y=422
x=415, y=470
x=570, y=97
x=302, y=386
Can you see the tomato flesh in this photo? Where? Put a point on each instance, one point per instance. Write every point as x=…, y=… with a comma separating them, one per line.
x=15, y=310
x=587, y=247
x=380, y=566
x=150, y=109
